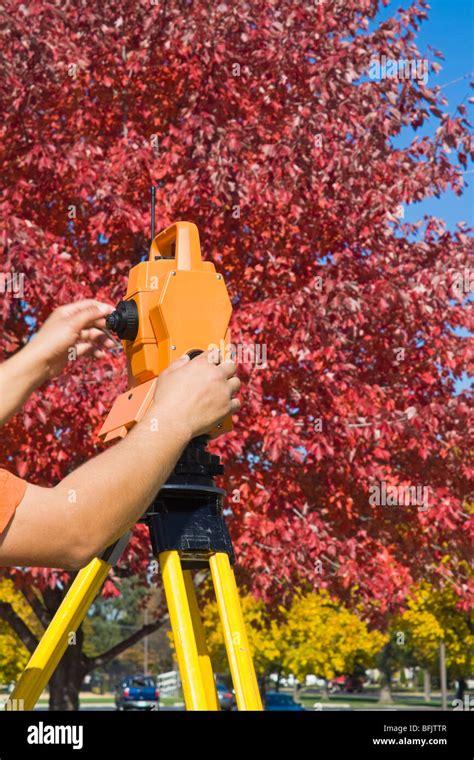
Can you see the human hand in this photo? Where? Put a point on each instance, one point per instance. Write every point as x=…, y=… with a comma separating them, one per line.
x=197, y=394
x=71, y=331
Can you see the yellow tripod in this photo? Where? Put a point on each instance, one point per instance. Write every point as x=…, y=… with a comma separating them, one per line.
x=193, y=659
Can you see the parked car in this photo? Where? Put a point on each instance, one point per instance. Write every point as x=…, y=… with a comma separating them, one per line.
x=226, y=696
x=275, y=700
x=137, y=693
x=336, y=685
x=354, y=684
x=349, y=684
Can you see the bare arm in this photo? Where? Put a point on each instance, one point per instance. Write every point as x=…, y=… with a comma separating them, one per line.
x=67, y=525
x=19, y=377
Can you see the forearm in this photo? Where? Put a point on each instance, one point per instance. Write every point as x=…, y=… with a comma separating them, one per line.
x=107, y=495
x=19, y=377
x=67, y=525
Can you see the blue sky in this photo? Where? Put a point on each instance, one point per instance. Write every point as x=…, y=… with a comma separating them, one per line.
x=449, y=29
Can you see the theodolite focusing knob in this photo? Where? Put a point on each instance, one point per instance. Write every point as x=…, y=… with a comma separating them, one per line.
x=124, y=320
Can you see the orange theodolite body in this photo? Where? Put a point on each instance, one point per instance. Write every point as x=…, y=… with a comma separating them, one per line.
x=182, y=306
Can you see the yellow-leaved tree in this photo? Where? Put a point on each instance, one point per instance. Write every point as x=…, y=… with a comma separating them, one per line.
x=316, y=636
x=13, y=653
x=435, y=615
x=264, y=634
x=325, y=639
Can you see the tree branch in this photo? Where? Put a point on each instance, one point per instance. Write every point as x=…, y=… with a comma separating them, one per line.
x=35, y=603
x=8, y=614
x=103, y=659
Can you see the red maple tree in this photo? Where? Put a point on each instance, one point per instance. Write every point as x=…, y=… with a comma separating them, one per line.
x=260, y=123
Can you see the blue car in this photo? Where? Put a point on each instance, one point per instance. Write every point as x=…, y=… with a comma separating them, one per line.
x=226, y=696
x=137, y=693
x=274, y=700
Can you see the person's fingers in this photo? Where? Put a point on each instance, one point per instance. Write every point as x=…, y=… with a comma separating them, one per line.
x=83, y=349
x=213, y=356
x=89, y=349
x=101, y=323
x=228, y=369
x=92, y=334
x=87, y=313
x=179, y=363
x=234, y=385
x=235, y=405
x=87, y=305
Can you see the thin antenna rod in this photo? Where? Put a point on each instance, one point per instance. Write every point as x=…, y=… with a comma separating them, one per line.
x=152, y=212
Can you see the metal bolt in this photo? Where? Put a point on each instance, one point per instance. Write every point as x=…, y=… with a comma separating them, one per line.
x=173, y=348
x=219, y=277
x=173, y=274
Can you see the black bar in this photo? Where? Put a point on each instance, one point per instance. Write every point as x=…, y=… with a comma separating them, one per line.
x=152, y=212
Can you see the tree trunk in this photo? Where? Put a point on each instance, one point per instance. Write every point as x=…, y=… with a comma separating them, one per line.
x=325, y=690
x=65, y=684
x=461, y=688
x=427, y=684
x=67, y=679
x=443, y=677
x=262, y=684
x=385, y=697
x=279, y=672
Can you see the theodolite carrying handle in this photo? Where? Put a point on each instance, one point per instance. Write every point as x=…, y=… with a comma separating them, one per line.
x=180, y=241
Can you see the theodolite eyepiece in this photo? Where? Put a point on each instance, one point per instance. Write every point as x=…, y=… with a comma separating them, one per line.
x=124, y=320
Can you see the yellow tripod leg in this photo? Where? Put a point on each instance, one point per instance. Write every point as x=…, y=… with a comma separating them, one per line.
x=67, y=620
x=237, y=646
x=52, y=646
x=194, y=690
x=205, y=664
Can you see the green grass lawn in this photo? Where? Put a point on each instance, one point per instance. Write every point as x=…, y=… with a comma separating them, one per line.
x=308, y=697
x=95, y=699
x=100, y=699
x=369, y=701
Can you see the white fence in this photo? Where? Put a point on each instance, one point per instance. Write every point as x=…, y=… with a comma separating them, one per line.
x=168, y=683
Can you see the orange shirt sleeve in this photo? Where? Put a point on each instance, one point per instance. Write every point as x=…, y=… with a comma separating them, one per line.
x=12, y=490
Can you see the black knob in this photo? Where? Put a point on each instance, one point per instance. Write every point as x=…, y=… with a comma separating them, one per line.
x=124, y=320
x=195, y=352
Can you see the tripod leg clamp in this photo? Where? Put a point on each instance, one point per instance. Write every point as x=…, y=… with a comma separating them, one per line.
x=195, y=527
